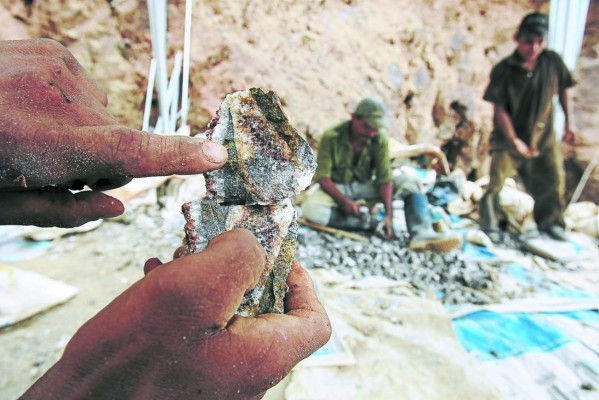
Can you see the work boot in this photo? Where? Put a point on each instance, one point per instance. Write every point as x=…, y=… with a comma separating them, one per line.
x=422, y=235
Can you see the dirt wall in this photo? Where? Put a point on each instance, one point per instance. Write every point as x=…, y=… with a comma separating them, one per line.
x=428, y=60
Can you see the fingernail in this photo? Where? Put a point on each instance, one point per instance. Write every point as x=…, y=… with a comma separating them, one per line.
x=116, y=208
x=214, y=152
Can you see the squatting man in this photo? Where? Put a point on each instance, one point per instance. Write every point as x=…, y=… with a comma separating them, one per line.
x=354, y=166
x=174, y=333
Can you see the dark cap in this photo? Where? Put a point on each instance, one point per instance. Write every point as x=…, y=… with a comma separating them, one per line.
x=534, y=23
x=372, y=111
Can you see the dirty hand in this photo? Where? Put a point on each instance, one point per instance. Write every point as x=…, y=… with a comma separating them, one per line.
x=56, y=134
x=175, y=335
x=350, y=207
x=388, y=227
x=523, y=149
x=569, y=135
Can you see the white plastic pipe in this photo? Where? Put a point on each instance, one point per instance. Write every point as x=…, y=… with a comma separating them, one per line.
x=173, y=92
x=584, y=178
x=186, y=52
x=157, y=14
x=149, y=92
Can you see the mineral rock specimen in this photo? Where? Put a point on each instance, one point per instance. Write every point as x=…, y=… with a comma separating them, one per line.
x=269, y=162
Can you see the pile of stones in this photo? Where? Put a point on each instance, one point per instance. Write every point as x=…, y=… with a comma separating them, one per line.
x=447, y=276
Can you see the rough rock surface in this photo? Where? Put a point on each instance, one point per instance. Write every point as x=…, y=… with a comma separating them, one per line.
x=269, y=162
x=275, y=228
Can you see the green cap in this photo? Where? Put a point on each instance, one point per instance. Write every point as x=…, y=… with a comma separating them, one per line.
x=372, y=111
x=534, y=23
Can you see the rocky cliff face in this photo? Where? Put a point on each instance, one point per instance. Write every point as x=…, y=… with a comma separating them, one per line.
x=428, y=60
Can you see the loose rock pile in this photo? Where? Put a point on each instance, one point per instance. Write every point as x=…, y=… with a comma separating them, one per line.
x=446, y=275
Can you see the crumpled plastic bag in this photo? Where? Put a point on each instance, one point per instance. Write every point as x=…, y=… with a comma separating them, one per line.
x=469, y=195
x=517, y=206
x=583, y=217
x=444, y=191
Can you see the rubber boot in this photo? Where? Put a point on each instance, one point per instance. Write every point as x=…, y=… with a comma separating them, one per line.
x=422, y=235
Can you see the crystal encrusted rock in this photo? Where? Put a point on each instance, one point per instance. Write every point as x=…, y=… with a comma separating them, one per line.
x=269, y=162
x=275, y=228
x=268, y=159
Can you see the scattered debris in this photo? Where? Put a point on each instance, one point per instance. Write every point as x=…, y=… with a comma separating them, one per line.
x=447, y=276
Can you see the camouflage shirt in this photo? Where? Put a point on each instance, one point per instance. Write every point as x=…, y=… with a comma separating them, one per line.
x=527, y=97
x=336, y=158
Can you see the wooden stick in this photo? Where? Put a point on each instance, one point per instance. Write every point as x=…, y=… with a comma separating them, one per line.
x=337, y=231
x=584, y=178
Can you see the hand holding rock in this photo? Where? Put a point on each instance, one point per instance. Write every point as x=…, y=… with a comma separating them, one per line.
x=175, y=335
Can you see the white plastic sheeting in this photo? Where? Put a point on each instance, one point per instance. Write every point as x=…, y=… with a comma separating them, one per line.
x=567, y=20
x=26, y=293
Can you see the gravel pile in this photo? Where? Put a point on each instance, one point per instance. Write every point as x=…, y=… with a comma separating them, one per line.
x=446, y=275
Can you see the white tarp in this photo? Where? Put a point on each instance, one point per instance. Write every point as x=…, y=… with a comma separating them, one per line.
x=26, y=293
x=404, y=348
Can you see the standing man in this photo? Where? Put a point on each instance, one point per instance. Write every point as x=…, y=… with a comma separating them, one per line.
x=521, y=89
x=354, y=167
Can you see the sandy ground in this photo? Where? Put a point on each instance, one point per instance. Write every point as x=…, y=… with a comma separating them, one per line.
x=101, y=263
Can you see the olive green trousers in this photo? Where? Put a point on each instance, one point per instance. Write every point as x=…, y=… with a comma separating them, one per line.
x=543, y=178
x=318, y=207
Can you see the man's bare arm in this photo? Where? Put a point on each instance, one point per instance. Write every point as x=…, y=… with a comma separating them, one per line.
x=386, y=191
x=570, y=126
x=415, y=150
x=349, y=206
